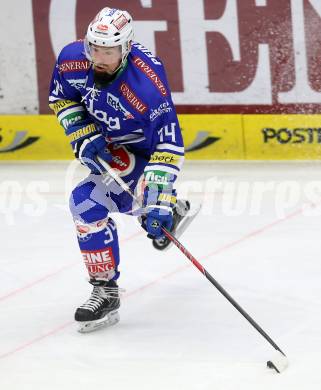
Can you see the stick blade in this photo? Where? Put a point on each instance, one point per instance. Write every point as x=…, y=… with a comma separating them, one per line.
x=279, y=362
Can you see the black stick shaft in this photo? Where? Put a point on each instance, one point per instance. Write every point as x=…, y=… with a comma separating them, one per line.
x=199, y=266
x=220, y=288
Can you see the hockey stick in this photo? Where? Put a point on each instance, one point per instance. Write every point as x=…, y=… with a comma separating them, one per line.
x=279, y=362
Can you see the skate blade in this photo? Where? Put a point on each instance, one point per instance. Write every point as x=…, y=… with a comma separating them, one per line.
x=190, y=216
x=110, y=319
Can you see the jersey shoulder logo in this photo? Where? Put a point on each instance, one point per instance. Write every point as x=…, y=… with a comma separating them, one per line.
x=74, y=66
x=149, y=72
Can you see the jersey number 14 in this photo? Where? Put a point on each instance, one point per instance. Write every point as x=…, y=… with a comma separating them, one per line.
x=167, y=134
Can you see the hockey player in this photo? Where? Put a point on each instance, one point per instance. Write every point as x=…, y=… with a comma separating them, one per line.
x=112, y=98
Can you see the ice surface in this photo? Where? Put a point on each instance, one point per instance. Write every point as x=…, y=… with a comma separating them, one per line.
x=258, y=234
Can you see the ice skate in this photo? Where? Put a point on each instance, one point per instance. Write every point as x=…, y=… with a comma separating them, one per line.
x=101, y=309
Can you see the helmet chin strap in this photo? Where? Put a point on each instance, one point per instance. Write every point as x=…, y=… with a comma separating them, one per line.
x=121, y=65
x=124, y=58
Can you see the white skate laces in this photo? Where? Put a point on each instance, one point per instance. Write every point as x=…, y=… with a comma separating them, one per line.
x=99, y=295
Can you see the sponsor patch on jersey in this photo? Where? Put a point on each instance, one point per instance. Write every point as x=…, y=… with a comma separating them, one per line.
x=157, y=177
x=61, y=105
x=132, y=99
x=167, y=198
x=74, y=66
x=165, y=158
x=114, y=102
x=145, y=68
x=123, y=161
x=71, y=119
x=83, y=132
x=160, y=110
x=120, y=22
x=113, y=123
x=77, y=83
x=99, y=261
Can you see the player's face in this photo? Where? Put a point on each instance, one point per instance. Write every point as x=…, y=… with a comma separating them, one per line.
x=106, y=59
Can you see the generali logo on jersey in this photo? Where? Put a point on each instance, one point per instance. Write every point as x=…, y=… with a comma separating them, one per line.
x=132, y=98
x=150, y=74
x=74, y=66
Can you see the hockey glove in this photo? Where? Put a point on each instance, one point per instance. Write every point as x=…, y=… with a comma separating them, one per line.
x=159, y=205
x=87, y=142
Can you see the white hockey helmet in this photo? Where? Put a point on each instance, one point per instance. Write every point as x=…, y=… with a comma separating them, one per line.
x=111, y=27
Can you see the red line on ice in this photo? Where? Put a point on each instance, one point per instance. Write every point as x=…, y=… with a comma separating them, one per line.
x=254, y=233
x=51, y=274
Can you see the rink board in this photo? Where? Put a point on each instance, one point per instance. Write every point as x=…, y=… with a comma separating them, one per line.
x=282, y=137
x=206, y=137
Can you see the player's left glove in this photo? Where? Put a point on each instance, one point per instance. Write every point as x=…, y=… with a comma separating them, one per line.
x=88, y=143
x=159, y=205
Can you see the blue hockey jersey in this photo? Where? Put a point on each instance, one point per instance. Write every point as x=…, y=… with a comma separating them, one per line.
x=135, y=109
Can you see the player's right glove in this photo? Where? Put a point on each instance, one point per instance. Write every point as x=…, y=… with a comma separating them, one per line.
x=159, y=205
x=87, y=143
